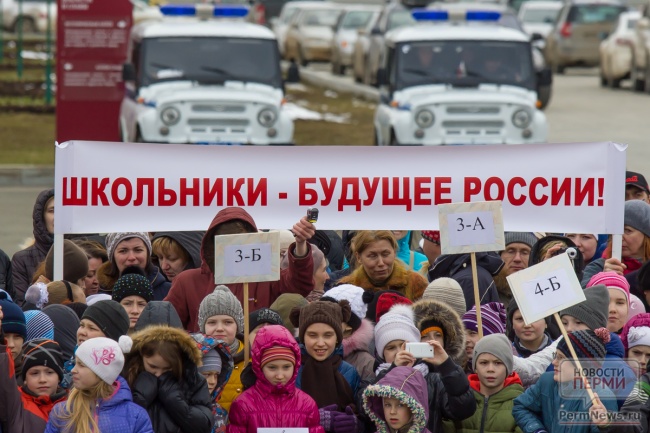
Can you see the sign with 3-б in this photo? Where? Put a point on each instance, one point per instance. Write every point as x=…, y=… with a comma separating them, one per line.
x=546, y=288
x=247, y=258
x=471, y=227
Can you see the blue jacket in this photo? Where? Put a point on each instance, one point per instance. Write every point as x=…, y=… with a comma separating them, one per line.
x=116, y=414
x=347, y=370
x=159, y=284
x=404, y=254
x=541, y=408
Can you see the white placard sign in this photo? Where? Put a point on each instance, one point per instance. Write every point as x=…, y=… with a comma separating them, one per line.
x=247, y=258
x=546, y=288
x=471, y=227
x=283, y=430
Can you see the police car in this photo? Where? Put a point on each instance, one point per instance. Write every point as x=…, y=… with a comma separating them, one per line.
x=204, y=81
x=452, y=81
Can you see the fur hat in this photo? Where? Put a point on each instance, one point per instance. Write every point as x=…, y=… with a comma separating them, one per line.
x=13, y=321
x=39, y=325
x=187, y=344
x=110, y=317
x=637, y=216
x=113, y=239
x=381, y=301
x=42, y=352
x=594, y=310
x=221, y=302
x=75, y=262
x=611, y=280
x=587, y=344
x=497, y=345
x=397, y=324
x=330, y=313
x=132, y=282
x=452, y=327
x=104, y=356
x=493, y=318
x=447, y=290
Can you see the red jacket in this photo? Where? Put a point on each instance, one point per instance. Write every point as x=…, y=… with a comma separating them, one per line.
x=20, y=411
x=265, y=405
x=191, y=286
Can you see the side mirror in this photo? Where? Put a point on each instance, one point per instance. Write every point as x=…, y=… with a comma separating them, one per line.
x=536, y=37
x=544, y=77
x=293, y=73
x=376, y=31
x=382, y=78
x=128, y=72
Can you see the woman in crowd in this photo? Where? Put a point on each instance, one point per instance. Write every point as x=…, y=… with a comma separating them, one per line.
x=175, y=252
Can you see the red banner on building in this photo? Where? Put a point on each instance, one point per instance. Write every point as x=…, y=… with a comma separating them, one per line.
x=92, y=40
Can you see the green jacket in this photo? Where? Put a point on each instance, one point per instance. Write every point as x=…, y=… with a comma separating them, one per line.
x=494, y=413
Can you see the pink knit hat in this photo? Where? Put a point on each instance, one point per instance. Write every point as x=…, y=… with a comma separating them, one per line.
x=636, y=307
x=613, y=281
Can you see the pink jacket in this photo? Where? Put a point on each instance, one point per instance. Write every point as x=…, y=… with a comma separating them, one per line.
x=265, y=405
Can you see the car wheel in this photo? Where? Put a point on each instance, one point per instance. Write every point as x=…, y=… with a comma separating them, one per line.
x=637, y=82
x=367, y=75
x=300, y=57
x=138, y=136
x=603, y=79
x=559, y=69
x=376, y=139
x=647, y=75
x=393, y=139
x=336, y=67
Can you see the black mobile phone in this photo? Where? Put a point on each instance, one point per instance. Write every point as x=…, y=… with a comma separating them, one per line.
x=312, y=215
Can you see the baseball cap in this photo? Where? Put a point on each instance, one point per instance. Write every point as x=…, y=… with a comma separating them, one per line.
x=636, y=179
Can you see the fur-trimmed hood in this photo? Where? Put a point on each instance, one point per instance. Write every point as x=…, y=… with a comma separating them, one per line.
x=360, y=339
x=451, y=323
x=165, y=333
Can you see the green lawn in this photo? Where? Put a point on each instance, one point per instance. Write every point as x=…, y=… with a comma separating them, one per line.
x=27, y=138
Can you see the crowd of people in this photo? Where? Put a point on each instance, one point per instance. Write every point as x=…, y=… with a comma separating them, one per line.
x=137, y=338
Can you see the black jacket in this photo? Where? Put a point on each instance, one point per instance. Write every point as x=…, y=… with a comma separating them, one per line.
x=6, y=278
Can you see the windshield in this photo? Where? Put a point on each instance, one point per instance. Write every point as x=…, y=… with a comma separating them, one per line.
x=356, y=19
x=210, y=60
x=594, y=13
x=464, y=63
x=326, y=18
x=540, y=16
x=399, y=19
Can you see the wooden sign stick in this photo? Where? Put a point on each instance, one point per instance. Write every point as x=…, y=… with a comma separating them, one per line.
x=477, y=297
x=246, y=326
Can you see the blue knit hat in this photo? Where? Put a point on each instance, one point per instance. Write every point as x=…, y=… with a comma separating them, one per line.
x=39, y=325
x=14, y=319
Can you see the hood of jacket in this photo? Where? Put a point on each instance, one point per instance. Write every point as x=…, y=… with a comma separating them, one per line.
x=106, y=282
x=66, y=323
x=535, y=252
x=272, y=336
x=122, y=393
x=451, y=323
x=406, y=385
x=165, y=333
x=206, y=344
x=360, y=339
x=191, y=243
x=448, y=264
x=207, y=244
x=43, y=238
x=615, y=346
x=513, y=379
x=158, y=313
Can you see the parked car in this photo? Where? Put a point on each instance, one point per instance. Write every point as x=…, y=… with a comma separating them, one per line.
x=538, y=17
x=34, y=14
x=310, y=34
x=640, y=68
x=578, y=31
x=346, y=32
x=361, y=48
x=616, y=51
x=280, y=25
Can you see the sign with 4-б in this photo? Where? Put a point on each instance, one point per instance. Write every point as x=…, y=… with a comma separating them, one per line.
x=247, y=258
x=471, y=227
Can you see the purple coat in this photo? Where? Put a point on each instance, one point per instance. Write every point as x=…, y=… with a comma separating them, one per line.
x=406, y=385
x=265, y=405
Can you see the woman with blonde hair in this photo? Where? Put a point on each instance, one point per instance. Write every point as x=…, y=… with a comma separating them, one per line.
x=375, y=252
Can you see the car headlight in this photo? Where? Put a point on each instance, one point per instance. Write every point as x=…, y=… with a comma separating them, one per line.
x=267, y=117
x=521, y=118
x=170, y=116
x=424, y=118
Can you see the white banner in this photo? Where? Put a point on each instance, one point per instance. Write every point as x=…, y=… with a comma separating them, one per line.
x=112, y=187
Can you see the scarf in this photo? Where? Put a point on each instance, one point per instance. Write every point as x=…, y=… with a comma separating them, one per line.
x=323, y=382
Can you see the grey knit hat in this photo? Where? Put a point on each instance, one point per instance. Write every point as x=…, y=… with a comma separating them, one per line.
x=449, y=291
x=637, y=216
x=594, y=310
x=497, y=345
x=221, y=302
x=527, y=238
x=211, y=362
x=112, y=239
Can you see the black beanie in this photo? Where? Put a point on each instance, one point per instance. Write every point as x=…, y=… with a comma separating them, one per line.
x=132, y=282
x=41, y=351
x=264, y=315
x=110, y=317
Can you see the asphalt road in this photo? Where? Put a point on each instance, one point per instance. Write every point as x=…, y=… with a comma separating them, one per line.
x=579, y=111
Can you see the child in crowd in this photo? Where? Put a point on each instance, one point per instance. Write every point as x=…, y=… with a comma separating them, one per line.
x=540, y=408
x=398, y=402
x=133, y=291
x=636, y=341
x=14, y=328
x=323, y=375
x=100, y=400
x=273, y=400
x=161, y=370
x=495, y=387
x=493, y=315
x=258, y=319
x=619, y=298
x=221, y=317
x=217, y=368
x=527, y=339
x=26, y=409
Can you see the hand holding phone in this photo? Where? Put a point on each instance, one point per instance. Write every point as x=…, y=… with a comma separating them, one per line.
x=420, y=350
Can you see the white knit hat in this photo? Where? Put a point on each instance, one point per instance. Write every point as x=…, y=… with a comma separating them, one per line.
x=397, y=324
x=638, y=336
x=104, y=357
x=352, y=294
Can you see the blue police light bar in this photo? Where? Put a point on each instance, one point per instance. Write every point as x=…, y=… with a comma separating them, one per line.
x=230, y=11
x=482, y=16
x=178, y=10
x=429, y=15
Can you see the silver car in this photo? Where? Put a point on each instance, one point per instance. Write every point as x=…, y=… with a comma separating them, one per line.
x=310, y=34
x=347, y=29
